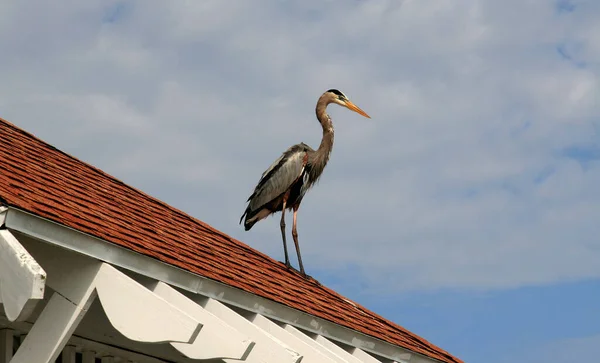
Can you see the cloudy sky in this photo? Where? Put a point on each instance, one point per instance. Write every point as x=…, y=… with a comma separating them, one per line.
x=467, y=209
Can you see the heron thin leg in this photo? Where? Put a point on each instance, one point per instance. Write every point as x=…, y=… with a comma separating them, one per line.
x=295, y=236
x=282, y=224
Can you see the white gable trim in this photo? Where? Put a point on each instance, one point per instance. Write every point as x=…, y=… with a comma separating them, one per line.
x=196, y=287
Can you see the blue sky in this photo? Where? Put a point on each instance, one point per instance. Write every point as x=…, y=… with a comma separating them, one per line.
x=467, y=209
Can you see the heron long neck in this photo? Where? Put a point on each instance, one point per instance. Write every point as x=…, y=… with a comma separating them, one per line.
x=321, y=155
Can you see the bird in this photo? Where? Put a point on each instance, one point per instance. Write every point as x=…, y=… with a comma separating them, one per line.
x=283, y=185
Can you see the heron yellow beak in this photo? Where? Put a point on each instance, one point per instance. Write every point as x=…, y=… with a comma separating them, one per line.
x=355, y=108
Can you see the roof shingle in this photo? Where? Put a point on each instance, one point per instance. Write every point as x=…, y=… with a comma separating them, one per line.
x=42, y=180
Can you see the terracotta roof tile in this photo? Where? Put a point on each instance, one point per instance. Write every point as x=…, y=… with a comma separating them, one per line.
x=40, y=179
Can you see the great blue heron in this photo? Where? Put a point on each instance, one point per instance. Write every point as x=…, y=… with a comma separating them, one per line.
x=285, y=182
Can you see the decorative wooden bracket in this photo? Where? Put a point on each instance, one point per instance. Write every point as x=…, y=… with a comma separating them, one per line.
x=22, y=279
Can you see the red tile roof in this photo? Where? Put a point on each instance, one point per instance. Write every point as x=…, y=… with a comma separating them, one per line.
x=40, y=179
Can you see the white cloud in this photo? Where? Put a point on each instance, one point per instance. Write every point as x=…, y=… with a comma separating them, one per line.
x=459, y=180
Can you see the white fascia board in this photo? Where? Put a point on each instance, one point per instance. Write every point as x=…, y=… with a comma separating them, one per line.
x=22, y=279
x=59, y=235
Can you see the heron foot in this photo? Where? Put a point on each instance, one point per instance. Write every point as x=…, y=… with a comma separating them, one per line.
x=301, y=272
x=289, y=266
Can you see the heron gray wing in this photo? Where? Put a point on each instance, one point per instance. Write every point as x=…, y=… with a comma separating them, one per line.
x=280, y=176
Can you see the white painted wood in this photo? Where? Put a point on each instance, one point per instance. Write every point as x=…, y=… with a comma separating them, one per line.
x=310, y=353
x=69, y=274
x=3, y=212
x=308, y=340
x=68, y=354
x=268, y=348
x=401, y=358
x=385, y=360
x=73, y=240
x=336, y=349
x=133, y=310
x=21, y=278
x=365, y=357
x=92, y=347
x=88, y=356
x=139, y=314
x=52, y=329
x=217, y=339
x=6, y=345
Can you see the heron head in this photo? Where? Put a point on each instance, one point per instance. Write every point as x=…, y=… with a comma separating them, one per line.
x=341, y=99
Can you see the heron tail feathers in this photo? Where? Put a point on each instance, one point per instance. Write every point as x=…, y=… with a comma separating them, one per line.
x=250, y=217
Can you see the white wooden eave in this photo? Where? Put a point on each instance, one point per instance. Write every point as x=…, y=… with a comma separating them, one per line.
x=159, y=311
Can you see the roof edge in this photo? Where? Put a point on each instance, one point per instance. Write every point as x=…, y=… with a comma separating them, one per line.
x=56, y=234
